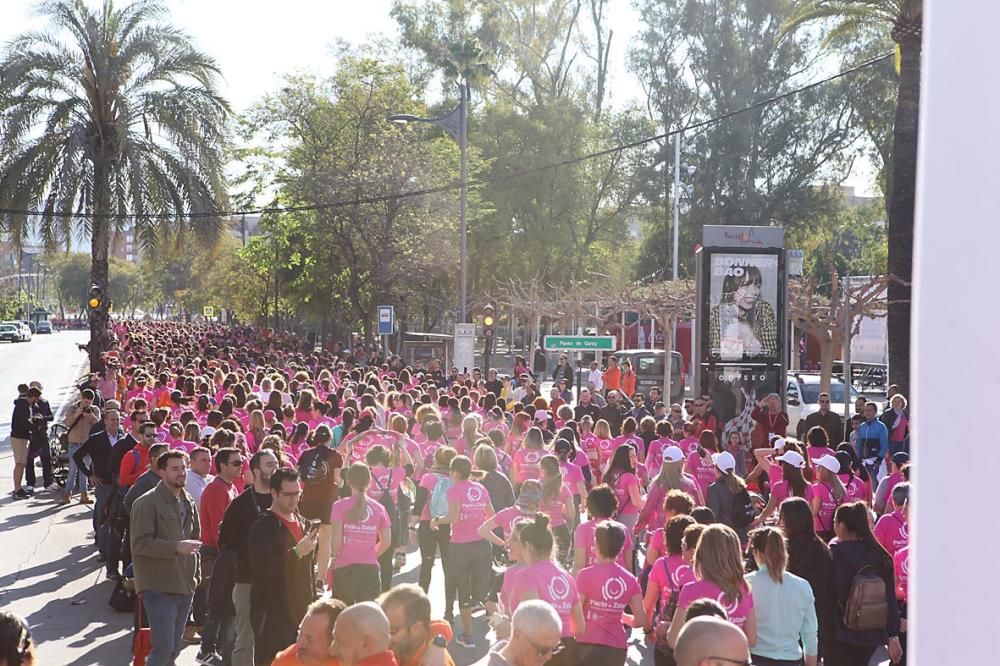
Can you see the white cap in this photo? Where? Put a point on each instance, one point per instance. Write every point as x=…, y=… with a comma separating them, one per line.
x=673, y=454
x=541, y=415
x=207, y=431
x=724, y=461
x=793, y=458
x=829, y=462
x=778, y=443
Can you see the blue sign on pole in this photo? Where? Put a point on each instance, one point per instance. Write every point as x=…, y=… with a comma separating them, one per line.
x=386, y=319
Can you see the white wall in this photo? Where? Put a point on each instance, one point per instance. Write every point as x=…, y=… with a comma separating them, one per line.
x=956, y=336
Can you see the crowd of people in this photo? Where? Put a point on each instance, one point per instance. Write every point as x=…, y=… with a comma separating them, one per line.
x=260, y=497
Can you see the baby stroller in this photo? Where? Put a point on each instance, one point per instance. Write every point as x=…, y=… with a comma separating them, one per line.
x=59, y=452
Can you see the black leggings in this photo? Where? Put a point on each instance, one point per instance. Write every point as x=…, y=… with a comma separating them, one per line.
x=602, y=655
x=839, y=653
x=430, y=542
x=356, y=582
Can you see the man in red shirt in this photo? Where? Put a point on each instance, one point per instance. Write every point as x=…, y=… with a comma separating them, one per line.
x=770, y=419
x=215, y=500
x=361, y=637
x=135, y=463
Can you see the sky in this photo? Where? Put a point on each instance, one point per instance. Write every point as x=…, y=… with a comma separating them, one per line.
x=258, y=42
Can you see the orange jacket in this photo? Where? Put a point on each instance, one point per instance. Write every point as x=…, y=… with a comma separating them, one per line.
x=438, y=628
x=629, y=380
x=612, y=379
x=288, y=657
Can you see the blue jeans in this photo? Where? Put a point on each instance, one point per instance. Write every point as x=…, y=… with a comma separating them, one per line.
x=167, y=614
x=103, y=493
x=76, y=480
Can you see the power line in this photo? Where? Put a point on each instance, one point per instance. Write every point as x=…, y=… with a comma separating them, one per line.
x=456, y=185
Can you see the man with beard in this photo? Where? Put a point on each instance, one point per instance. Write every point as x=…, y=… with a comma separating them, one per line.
x=234, y=535
x=164, y=531
x=412, y=635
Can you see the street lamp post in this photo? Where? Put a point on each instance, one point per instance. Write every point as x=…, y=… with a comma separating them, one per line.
x=455, y=123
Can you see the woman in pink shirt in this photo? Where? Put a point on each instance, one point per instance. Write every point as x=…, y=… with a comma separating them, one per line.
x=654, y=452
x=621, y=476
x=361, y=533
x=828, y=494
x=518, y=428
x=605, y=589
x=528, y=458
x=469, y=555
x=601, y=505
x=793, y=483
x=557, y=504
x=668, y=574
x=718, y=568
x=389, y=471
x=670, y=477
x=603, y=449
x=701, y=467
x=542, y=579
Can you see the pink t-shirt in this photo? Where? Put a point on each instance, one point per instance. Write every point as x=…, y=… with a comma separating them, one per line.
x=604, y=448
x=622, y=485
x=857, y=490
x=554, y=508
x=782, y=491
x=504, y=595
x=654, y=456
x=817, y=452
x=528, y=464
x=474, y=507
x=583, y=537
x=506, y=518
x=549, y=583
x=901, y=563
x=364, y=444
x=427, y=482
x=671, y=573
x=702, y=471
x=606, y=589
x=823, y=520
x=572, y=476
x=386, y=477
x=892, y=532
x=737, y=610
x=358, y=539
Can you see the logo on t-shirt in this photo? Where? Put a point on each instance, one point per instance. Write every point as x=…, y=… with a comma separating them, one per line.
x=905, y=566
x=904, y=531
x=613, y=589
x=676, y=576
x=531, y=457
x=730, y=608
x=474, y=494
x=369, y=513
x=559, y=588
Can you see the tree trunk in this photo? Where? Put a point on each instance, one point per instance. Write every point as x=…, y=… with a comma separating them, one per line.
x=900, y=232
x=99, y=242
x=827, y=347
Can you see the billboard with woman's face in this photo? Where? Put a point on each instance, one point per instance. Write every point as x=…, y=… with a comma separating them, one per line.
x=742, y=307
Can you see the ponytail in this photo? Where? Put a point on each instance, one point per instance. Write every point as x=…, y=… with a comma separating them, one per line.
x=553, y=482
x=537, y=535
x=770, y=543
x=358, y=478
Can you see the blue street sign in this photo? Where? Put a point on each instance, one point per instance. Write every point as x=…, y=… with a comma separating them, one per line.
x=386, y=319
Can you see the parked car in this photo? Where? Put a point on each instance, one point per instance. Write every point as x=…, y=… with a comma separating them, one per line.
x=20, y=337
x=648, y=367
x=29, y=331
x=803, y=397
x=43, y=327
x=10, y=333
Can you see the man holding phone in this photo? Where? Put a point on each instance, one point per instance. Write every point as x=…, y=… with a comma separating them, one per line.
x=165, y=529
x=281, y=568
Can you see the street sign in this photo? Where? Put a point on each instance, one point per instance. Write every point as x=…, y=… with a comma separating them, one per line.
x=579, y=343
x=208, y=311
x=386, y=319
x=465, y=347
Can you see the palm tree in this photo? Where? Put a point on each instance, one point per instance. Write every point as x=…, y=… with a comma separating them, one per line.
x=108, y=117
x=904, y=21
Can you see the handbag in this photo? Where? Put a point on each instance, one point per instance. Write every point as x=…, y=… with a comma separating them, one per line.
x=123, y=596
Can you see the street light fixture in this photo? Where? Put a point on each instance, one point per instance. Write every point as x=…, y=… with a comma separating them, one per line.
x=455, y=123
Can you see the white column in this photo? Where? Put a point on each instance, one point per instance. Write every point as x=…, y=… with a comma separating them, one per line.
x=956, y=349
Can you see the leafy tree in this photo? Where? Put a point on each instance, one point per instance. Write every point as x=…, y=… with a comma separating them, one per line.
x=112, y=113
x=700, y=59
x=904, y=20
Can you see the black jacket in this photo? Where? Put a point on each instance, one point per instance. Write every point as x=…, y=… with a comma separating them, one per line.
x=848, y=558
x=810, y=559
x=119, y=451
x=564, y=371
x=282, y=583
x=20, y=421
x=235, y=528
x=590, y=409
x=98, y=447
x=41, y=414
x=614, y=415
x=500, y=490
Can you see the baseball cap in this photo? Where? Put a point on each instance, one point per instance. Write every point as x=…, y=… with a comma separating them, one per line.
x=901, y=457
x=793, y=458
x=829, y=462
x=541, y=415
x=530, y=497
x=207, y=431
x=778, y=443
x=674, y=454
x=724, y=461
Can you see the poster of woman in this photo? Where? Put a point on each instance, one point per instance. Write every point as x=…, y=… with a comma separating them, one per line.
x=743, y=299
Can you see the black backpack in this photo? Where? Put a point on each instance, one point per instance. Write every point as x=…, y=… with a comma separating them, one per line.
x=743, y=509
x=385, y=499
x=313, y=467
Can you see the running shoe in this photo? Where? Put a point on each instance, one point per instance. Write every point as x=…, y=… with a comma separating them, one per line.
x=20, y=494
x=208, y=658
x=466, y=641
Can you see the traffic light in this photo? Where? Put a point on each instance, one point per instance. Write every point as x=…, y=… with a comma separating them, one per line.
x=489, y=321
x=95, y=299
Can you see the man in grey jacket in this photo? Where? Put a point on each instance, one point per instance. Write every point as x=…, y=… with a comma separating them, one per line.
x=165, y=528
